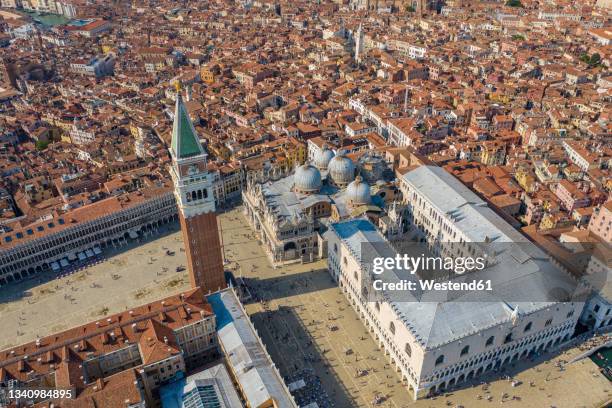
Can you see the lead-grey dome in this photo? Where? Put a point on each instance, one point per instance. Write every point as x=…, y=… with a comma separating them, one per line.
x=341, y=170
x=307, y=179
x=323, y=158
x=358, y=192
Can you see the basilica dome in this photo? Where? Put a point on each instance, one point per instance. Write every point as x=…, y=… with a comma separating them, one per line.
x=341, y=170
x=307, y=179
x=358, y=192
x=323, y=158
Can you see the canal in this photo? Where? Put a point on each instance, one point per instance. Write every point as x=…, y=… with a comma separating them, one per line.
x=603, y=358
x=48, y=20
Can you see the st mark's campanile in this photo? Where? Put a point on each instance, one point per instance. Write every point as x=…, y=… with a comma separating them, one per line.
x=193, y=189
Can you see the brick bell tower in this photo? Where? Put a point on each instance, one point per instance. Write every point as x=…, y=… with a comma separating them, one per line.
x=194, y=195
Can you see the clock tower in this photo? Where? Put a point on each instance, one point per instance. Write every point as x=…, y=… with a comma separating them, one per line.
x=193, y=190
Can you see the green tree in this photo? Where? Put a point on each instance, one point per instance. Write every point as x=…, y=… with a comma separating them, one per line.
x=593, y=60
x=514, y=3
x=410, y=8
x=585, y=58
x=41, y=145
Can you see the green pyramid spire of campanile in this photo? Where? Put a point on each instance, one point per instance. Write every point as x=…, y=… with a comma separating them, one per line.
x=185, y=141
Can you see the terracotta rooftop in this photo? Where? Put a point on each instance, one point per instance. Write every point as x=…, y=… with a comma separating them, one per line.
x=151, y=326
x=60, y=221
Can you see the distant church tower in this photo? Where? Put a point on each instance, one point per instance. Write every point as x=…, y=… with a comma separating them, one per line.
x=193, y=189
x=359, y=45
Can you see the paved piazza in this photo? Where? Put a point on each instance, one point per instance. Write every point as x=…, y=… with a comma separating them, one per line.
x=304, y=320
x=126, y=277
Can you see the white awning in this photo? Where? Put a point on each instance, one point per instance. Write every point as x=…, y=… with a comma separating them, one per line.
x=97, y=250
x=89, y=253
x=133, y=235
x=82, y=256
x=64, y=262
x=55, y=266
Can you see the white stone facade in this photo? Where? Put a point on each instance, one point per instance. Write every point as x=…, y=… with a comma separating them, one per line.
x=426, y=369
x=437, y=345
x=35, y=255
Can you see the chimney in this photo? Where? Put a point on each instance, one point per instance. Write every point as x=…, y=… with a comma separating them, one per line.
x=100, y=384
x=165, y=339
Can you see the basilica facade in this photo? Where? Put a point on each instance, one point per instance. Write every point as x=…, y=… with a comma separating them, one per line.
x=289, y=212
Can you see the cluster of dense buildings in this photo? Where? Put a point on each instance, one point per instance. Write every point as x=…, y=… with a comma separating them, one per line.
x=153, y=355
x=145, y=355
x=315, y=114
